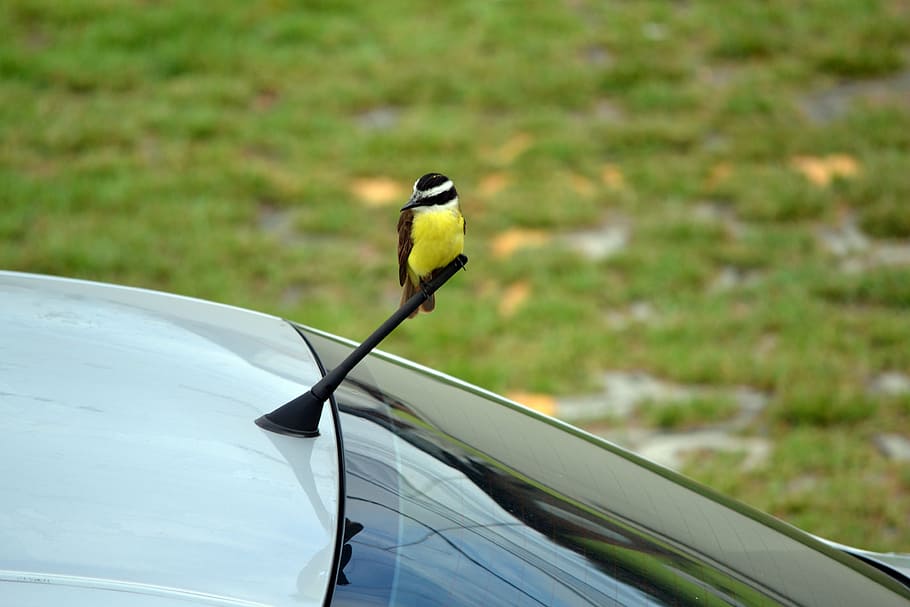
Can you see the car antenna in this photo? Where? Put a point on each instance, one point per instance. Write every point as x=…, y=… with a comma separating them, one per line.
x=300, y=417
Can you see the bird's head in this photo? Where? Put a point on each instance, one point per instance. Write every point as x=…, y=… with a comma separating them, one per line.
x=432, y=189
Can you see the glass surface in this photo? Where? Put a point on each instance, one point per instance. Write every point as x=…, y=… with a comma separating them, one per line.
x=436, y=527
x=457, y=497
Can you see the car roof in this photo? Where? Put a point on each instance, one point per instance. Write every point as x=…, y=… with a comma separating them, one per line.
x=130, y=462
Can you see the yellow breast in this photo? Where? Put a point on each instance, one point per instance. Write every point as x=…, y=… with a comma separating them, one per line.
x=438, y=237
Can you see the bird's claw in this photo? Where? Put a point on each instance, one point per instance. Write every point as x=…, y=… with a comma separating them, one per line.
x=424, y=288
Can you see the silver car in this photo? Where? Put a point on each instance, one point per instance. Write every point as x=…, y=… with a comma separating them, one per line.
x=132, y=472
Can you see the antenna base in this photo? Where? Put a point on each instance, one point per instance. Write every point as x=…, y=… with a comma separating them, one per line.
x=299, y=417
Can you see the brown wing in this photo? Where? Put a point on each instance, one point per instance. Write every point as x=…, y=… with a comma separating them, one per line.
x=404, y=244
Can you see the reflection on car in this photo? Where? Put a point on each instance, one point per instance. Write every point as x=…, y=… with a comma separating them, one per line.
x=132, y=472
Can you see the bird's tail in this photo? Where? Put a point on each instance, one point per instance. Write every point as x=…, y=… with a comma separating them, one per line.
x=410, y=289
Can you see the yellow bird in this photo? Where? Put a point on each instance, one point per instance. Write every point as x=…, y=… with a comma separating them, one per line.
x=431, y=232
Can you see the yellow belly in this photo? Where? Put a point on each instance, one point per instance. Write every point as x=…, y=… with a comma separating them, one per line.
x=438, y=238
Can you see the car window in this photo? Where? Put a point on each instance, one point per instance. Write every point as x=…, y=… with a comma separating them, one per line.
x=432, y=522
x=457, y=497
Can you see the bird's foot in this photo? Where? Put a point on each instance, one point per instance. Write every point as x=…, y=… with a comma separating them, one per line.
x=425, y=289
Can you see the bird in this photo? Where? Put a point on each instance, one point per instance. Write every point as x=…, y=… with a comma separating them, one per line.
x=431, y=231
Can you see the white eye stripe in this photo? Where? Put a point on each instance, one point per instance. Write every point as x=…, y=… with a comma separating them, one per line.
x=437, y=190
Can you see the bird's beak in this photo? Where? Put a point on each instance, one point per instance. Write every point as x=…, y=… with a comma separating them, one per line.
x=413, y=201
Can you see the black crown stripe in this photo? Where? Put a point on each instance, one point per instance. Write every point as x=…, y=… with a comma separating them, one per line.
x=430, y=181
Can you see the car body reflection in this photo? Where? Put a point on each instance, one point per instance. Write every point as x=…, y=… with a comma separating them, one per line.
x=466, y=499
x=443, y=525
x=431, y=531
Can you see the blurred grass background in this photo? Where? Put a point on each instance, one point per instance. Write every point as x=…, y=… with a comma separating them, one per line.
x=754, y=156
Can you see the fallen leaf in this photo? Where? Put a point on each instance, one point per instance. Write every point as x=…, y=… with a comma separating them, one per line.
x=612, y=177
x=492, y=184
x=582, y=185
x=513, y=148
x=842, y=165
x=718, y=173
x=506, y=243
x=820, y=170
x=542, y=403
x=513, y=297
x=814, y=169
x=378, y=191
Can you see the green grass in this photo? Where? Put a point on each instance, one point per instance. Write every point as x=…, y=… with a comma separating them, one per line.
x=211, y=152
x=687, y=413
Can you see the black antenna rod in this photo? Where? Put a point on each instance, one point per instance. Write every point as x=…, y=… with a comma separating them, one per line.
x=300, y=417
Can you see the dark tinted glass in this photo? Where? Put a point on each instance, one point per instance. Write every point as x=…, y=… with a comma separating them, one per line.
x=457, y=498
x=433, y=522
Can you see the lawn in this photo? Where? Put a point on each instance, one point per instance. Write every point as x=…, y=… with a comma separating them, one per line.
x=732, y=179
